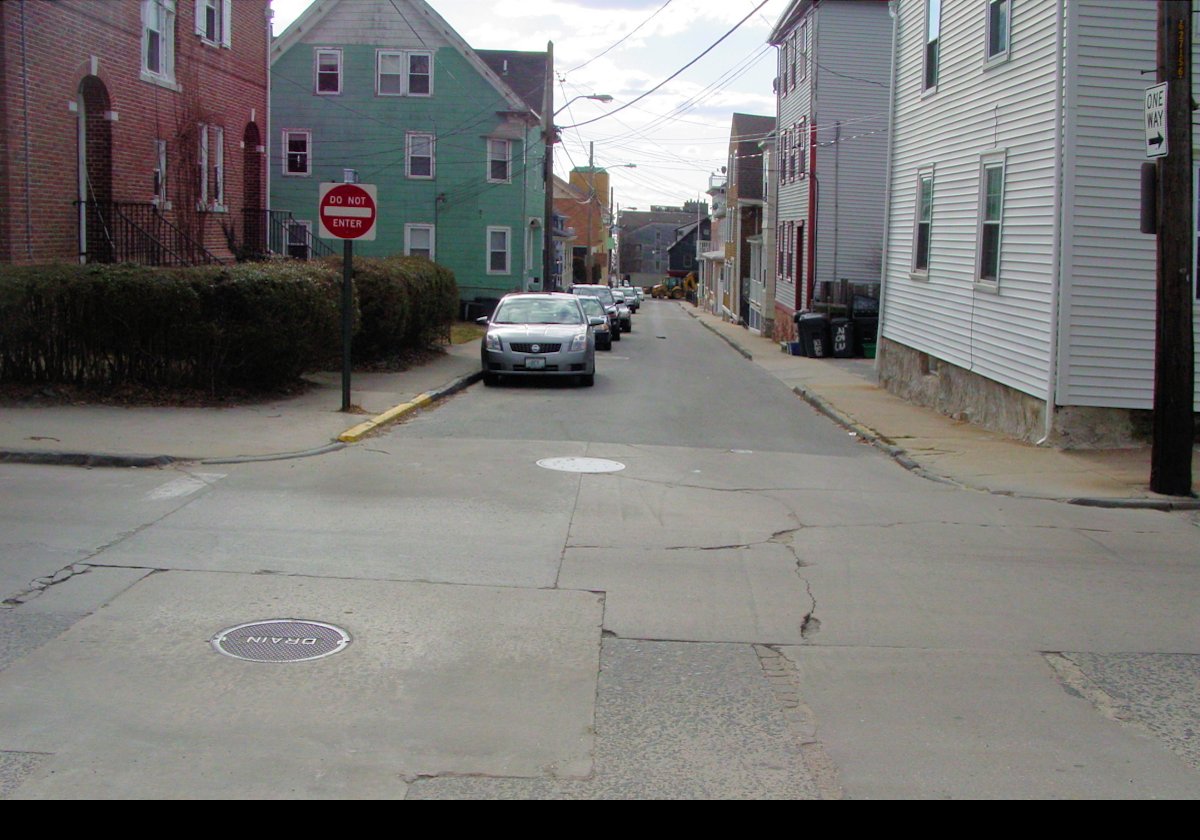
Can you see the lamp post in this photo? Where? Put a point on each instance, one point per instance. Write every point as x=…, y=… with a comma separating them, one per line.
x=548, y=132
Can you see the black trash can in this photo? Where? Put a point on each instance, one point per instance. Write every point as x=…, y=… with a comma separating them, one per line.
x=813, y=330
x=841, y=333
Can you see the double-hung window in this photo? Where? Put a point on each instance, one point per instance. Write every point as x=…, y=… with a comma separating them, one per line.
x=800, y=135
x=999, y=24
x=213, y=21
x=418, y=240
x=499, y=242
x=297, y=152
x=158, y=41
x=210, y=169
x=802, y=48
x=924, y=222
x=933, y=30
x=991, y=218
x=403, y=73
x=328, y=71
x=499, y=161
x=420, y=74
x=418, y=159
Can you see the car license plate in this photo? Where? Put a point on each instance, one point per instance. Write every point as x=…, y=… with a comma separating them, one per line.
x=535, y=364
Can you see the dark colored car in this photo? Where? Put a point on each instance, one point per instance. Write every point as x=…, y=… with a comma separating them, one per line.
x=610, y=305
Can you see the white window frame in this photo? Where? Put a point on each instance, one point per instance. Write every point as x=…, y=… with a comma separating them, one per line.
x=935, y=41
x=987, y=164
x=802, y=49
x=919, y=271
x=222, y=11
x=160, y=13
x=801, y=141
x=211, y=151
x=161, y=187
x=492, y=158
x=287, y=133
x=409, y=74
x=409, y=139
x=318, y=54
x=410, y=228
x=507, y=231
x=1005, y=8
x=401, y=73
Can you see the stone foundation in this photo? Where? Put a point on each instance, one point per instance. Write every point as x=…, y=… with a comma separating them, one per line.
x=958, y=393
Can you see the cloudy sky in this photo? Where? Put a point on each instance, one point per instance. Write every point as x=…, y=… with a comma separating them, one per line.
x=676, y=136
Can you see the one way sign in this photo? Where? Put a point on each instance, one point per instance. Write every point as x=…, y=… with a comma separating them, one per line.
x=1156, y=121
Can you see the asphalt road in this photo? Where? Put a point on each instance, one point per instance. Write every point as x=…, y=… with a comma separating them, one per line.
x=751, y=605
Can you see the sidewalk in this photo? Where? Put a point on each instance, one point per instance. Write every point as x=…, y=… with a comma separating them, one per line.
x=938, y=447
x=289, y=427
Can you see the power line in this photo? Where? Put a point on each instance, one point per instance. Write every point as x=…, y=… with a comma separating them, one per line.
x=618, y=43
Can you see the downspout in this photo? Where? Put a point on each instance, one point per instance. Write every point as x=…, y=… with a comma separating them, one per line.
x=894, y=11
x=268, y=140
x=1056, y=266
x=814, y=193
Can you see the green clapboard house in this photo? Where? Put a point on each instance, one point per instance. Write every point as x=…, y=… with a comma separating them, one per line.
x=450, y=137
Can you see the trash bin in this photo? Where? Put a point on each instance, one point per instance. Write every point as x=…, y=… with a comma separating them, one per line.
x=813, y=330
x=864, y=333
x=841, y=333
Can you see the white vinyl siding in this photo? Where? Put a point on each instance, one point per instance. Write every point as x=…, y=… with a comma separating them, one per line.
x=1108, y=299
x=1002, y=333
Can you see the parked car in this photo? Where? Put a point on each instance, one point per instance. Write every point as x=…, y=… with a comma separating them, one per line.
x=539, y=334
x=606, y=297
x=624, y=312
x=631, y=297
x=595, y=309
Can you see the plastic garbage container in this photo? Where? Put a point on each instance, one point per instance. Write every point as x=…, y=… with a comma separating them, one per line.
x=841, y=335
x=813, y=329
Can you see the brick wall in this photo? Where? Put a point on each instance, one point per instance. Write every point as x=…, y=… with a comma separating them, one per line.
x=47, y=50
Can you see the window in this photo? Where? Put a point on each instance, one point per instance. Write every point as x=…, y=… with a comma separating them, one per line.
x=933, y=26
x=299, y=235
x=924, y=222
x=499, y=161
x=999, y=17
x=158, y=41
x=389, y=73
x=329, y=71
x=991, y=215
x=213, y=21
x=418, y=241
x=297, y=152
x=801, y=140
x=498, y=249
x=160, y=176
x=420, y=74
x=419, y=158
x=792, y=64
x=802, y=46
x=210, y=169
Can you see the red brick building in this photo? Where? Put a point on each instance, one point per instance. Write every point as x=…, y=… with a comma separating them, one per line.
x=132, y=130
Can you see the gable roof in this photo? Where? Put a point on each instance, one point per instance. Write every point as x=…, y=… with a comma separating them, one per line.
x=311, y=18
x=524, y=72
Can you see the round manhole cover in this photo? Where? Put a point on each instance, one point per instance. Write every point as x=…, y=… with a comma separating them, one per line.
x=281, y=640
x=581, y=465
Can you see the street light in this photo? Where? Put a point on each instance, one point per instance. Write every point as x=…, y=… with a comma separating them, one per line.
x=548, y=132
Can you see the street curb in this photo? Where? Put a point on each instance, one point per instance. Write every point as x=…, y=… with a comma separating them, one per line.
x=357, y=433
x=85, y=459
x=719, y=334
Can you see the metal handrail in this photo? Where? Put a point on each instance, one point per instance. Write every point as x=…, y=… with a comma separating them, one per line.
x=138, y=232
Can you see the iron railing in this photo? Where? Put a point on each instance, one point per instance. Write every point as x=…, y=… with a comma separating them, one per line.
x=277, y=232
x=136, y=232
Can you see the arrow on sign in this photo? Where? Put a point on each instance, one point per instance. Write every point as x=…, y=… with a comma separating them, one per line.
x=1157, y=140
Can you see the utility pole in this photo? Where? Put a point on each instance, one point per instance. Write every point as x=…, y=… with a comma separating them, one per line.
x=591, y=200
x=1174, y=355
x=548, y=172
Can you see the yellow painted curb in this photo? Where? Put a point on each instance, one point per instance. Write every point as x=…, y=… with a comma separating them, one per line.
x=357, y=433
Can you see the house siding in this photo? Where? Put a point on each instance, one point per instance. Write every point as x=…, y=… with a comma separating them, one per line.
x=1109, y=298
x=361, y=130
x=1002, y=332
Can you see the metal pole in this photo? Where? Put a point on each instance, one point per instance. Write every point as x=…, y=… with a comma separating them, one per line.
x=548, y=284
x=347, y=317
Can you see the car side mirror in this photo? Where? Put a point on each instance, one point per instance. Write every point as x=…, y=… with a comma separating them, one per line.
x=483, y=319
x=595, y=322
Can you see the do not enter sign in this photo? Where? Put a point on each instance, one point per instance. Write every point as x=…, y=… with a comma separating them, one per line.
x=347, y=211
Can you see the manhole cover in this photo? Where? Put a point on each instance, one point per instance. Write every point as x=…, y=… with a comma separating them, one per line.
x=581, y=465
x=281, y=640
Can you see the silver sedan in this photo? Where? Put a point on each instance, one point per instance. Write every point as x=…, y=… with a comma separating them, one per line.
x=539, y=335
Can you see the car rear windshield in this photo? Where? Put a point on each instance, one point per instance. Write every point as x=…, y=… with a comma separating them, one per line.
x=592, y=306
x=602, y=292
x=537, y=311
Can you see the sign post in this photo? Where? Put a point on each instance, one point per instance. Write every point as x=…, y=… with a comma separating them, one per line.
x=347, y=212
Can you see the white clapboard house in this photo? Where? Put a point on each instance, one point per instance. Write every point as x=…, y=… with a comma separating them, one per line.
x=1015, y=274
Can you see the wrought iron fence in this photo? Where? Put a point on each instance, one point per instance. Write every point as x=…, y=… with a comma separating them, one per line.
x=277, y=232
x=123, y=231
